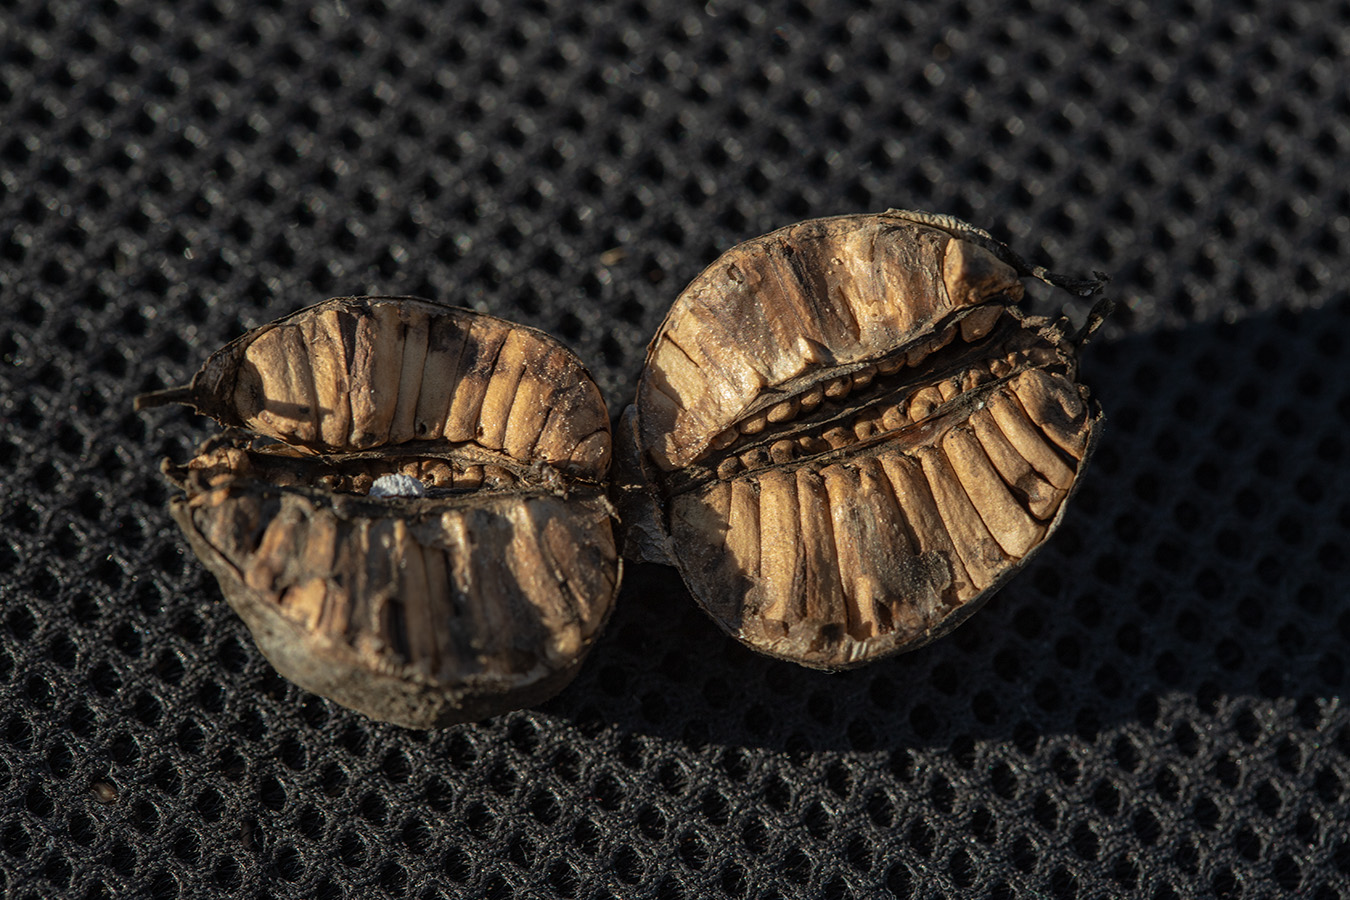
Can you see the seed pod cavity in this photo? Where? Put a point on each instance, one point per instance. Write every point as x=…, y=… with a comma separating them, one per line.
x=851, y=434
x=417, y=528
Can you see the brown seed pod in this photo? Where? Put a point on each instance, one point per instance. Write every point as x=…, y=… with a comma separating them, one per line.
x=847, y=435
x=419, y=531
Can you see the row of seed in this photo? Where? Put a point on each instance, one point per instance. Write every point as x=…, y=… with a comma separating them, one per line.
x=787, y=306
x=357, y=477
x=358, y=377
x=879, y=419
x=971, y=329
x=818, y=545
x=441, y=606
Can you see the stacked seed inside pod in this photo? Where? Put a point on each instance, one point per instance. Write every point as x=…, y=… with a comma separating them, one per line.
x=847, y=434
x=408, y=510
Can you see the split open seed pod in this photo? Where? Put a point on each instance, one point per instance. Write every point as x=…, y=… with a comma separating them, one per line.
x=847, y=434
x=408, y=509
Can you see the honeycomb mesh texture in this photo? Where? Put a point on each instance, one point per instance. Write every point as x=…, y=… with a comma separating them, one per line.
x=1154, y=708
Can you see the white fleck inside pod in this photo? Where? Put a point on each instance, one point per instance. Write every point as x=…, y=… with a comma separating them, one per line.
x=422, y=532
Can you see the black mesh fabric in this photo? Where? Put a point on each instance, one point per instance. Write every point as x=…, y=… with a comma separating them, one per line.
x=1154, y=708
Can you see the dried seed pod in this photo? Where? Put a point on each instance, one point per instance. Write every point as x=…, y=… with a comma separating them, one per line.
x=420, y=530
x=912, y=434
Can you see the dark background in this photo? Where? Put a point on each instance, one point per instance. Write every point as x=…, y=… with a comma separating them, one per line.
x=1155, y=708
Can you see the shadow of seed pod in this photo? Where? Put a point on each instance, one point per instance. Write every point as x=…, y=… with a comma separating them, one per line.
x=847, y=435
x=408, y=507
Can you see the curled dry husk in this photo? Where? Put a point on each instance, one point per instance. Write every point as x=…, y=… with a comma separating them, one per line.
x=847, y=435
x=481, y=596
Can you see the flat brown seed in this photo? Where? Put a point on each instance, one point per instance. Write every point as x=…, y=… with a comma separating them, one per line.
x=1009, y=523
x=328, y=362
x=377, y=369
x=474, y=586
x=445, y=344
x=416, y=327
x=909, y=434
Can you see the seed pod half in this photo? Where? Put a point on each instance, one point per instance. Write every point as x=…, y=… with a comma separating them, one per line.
x=419, y=531
x=847, y=435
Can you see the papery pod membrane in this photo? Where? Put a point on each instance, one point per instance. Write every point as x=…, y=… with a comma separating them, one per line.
x=847, y=435
x=481, y=595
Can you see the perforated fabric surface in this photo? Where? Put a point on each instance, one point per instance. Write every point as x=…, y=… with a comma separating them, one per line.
x=1154, y=708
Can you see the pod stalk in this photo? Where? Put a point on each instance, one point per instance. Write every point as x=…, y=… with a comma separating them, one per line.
x=184, y=395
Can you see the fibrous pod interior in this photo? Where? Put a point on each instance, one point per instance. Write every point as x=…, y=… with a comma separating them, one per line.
x=477, y=591
x=847, y=434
